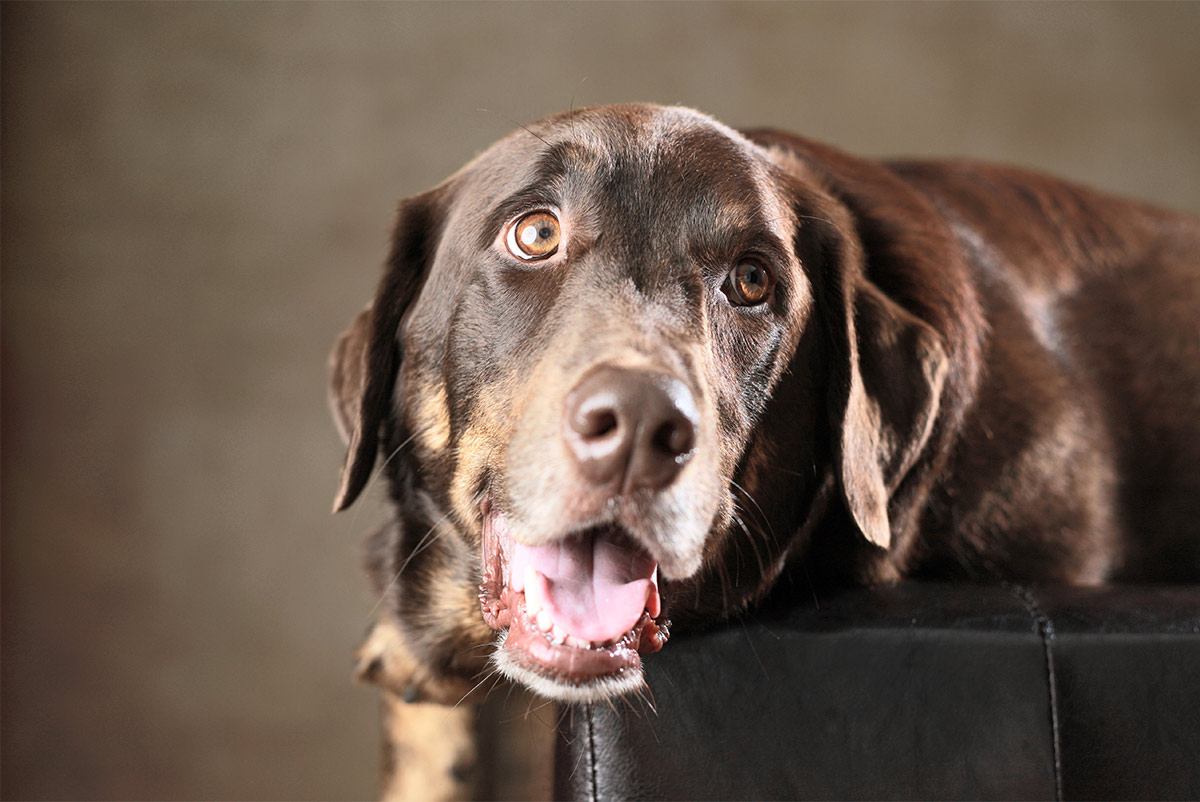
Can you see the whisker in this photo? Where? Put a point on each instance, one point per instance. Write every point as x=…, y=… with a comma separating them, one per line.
x=540, y=708
x=789, y=473
x=750, y=539
x=811, y=588
x=564, y=711
x=578, y=760
x=378, y=471
x=650, y=724
x=723, y=575
x=754, y=650
x=815, y=219
x=767, y=539
x=649, y=697
x=571, y=105
x=753, y=501
x=628, y=700
x=514, y=122
x=497, y=679
x=476, y=647
x=486, y=677
x=419, y=547
x=530, y=710
x=423, y=543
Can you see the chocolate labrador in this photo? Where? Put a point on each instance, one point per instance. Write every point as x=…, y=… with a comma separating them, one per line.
x=631, y=365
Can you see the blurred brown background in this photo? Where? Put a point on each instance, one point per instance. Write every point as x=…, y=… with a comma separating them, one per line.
x=196, y=198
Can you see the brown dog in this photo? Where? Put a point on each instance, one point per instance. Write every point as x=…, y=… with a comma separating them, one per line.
x=631, y=364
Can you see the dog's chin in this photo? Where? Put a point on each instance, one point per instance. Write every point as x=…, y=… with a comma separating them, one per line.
x=574, y=616
x=567, y=673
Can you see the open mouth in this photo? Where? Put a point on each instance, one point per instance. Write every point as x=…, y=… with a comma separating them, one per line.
x=579, y=612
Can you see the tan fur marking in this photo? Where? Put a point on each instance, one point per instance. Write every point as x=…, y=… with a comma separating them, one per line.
x=474, y=446
x=433, y=419
x=384, y=659
x=480, y=445
x=432, y=749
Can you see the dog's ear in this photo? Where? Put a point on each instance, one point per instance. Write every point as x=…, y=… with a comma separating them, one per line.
x=366, y=357
x=346, y=367
x=886, y=405
x=896, y=313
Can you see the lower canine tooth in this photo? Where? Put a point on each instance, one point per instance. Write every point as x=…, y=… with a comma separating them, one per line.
x=559, y=633
x=544, y=621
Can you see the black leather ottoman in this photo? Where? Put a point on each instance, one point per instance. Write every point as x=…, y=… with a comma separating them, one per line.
x=920, y=691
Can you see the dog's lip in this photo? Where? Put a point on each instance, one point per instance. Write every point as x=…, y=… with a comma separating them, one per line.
x=537, y=642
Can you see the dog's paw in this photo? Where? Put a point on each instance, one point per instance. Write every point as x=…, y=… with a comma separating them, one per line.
x=385, y=660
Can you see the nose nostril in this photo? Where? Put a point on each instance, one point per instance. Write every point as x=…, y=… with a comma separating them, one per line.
x=628, y=430
x=674, y=438
x=596, y=423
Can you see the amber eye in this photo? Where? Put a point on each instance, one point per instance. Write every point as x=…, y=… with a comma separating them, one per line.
x=534, y=236
x=748, y=284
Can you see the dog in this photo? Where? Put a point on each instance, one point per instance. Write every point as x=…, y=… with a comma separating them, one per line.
x=630, y=370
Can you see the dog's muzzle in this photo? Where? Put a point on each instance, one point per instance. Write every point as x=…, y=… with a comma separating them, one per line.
x=580, y=609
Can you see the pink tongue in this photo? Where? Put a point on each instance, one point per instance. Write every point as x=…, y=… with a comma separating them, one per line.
x=594, y=586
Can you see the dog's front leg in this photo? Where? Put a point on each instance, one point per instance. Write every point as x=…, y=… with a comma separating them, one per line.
x=430, y=744
x=430, y=751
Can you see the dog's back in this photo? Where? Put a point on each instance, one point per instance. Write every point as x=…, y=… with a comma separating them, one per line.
x=1088, y=420
x=1078, y=454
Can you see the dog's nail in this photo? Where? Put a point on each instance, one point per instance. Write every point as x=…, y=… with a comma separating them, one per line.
x=654, y=603
x=410, y=694
x=544, y=621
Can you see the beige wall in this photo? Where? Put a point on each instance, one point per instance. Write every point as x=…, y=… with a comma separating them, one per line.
x=196, y=198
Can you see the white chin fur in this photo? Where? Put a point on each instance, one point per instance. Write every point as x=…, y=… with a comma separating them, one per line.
x=599, y=689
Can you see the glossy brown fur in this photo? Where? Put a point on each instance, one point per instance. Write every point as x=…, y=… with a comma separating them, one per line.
x=967, y=372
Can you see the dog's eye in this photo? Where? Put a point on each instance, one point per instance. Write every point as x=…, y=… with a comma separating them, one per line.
x=748, y=284
x=534, y=236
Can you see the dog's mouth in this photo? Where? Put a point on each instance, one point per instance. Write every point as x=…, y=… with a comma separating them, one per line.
x=578, y=613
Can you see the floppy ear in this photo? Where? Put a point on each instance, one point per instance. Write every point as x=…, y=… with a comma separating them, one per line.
x=895, y=370
x=899, y=315
x=346, y=368
x=366, y=358
x=894, y=302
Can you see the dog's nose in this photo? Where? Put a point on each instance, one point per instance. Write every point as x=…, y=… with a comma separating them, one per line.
x=631, y=429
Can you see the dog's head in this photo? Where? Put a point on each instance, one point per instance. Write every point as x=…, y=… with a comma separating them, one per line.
x=618, y=366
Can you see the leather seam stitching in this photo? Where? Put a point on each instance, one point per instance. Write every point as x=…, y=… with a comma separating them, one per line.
x=593, y=792
x=1045, y=631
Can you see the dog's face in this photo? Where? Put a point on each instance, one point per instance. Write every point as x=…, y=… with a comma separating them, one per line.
x=567, y=369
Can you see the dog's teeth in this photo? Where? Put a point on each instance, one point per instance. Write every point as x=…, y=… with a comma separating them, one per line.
x=654, y=603
x=559, y=633
x=517, y=581
x=578, y=643
x=544, y=622
x=533, y=591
